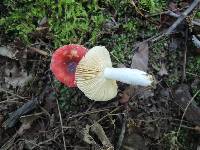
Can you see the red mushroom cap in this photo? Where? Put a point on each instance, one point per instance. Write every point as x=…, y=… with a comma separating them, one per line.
x=64, y=61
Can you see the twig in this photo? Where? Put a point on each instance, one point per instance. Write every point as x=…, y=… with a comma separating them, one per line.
x=41, y=52
x=185, y=55
x=61, y=121
x=195, y=128
x=182, y=17
x=193, y=74
x=121, y=136
x=196, y=41
x=9, y=143
x=110, y=113
x=10, y=101
x=186, y=111
x=24, y=109
x=89, y=112
x=166, y=12
x=138, y=11
x=178, y=21
x=171, y=13
x=3, y=90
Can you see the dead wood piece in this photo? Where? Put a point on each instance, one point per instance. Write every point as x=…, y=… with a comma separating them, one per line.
x=7, y=52
x=39, y=51
x=182, y=98
x=24, y=109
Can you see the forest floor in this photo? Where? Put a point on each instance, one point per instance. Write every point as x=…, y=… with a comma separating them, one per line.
x=39, y=112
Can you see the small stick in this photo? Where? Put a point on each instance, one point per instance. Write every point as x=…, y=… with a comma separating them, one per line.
x=178, y=21
x=99, y=131
x=171, y=13
x=88, y=113
x=185, y=55
x=182, y=17
x=123, y=130
x=3, y=90
x=186, y=111
x=61, y=121
x=39, y=51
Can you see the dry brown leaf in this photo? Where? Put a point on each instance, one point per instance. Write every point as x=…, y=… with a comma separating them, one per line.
x=127, y=94
x=141, y=57
x=139, y=61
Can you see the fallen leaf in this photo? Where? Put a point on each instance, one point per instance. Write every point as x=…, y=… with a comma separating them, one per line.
x=172, y=6
x=23, y=127
x=196, y=41
x=43, y=21
x=7, y=52
x=87, y=137
x=127, y=94
x=139, y=61
x=163, y=70
x=27, y=122
x=15, y=77
x=141, y=57
x=98, y=130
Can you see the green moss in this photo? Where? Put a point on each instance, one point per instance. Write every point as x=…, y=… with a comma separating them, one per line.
x=69, y=21
x=160, y=54
x=193, y=66
x=69, y=99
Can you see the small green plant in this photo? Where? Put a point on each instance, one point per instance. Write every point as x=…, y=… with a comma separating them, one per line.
x=193, y=65
x=152, y=6
x=174, y=143
x=65, y=96
x=193, y=74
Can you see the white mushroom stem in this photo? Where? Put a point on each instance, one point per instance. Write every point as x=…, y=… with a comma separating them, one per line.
x=129, y=76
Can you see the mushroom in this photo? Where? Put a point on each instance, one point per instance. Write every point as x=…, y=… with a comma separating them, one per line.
x=96, y=77
x=64, y=61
